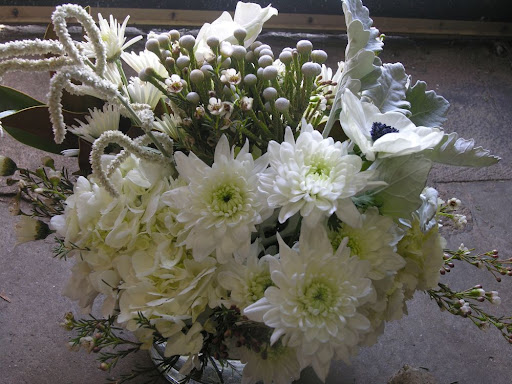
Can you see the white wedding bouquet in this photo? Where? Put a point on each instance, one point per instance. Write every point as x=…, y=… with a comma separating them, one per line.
x=234, y=202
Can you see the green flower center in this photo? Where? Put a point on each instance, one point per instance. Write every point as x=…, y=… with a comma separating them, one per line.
x=354, y=243
x=257, y=286
x=319, y=169
x=226, y=200
x=319, y=297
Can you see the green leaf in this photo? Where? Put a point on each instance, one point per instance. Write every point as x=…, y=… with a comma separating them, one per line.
x=406, y=177
x=32, y=127
x=453, y=150
x=427, y=108
x=389, y=95
x=12, y=101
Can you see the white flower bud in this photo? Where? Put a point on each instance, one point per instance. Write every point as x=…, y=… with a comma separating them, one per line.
x=286, y=57
x=183, y=61
x=7, y=166
x=213, y=42
x=239, y=52
x=193, y=97
x=270, y=73
x=310, y=69
x=304, y=46
x=269, y=93
x=196, y=76
x=319, y=56
x=265, y=61
x=240, y=34
x=188, y=42
x=250, y=79
x=174, y=35
x=282, y=104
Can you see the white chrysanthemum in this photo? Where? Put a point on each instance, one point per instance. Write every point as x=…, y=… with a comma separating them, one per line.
x=144, y=59
x=387, y=134
x=144, y=93
x=315, y=176
x=314, y=304
x=168, y=124
x=221, y=204
x=280, y=366
x=112, y=35
x=98, y=121
x=374, y=241
x=246, y=282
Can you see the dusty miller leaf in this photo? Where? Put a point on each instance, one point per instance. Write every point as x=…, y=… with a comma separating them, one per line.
x=406, y=177
x=427, y=108
x=360, y=32
x=389, y=95
x=453, y=150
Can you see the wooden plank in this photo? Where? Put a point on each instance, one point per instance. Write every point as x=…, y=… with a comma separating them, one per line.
x=295, y=22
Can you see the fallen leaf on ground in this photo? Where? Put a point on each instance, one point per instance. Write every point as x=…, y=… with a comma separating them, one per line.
x=2, y=296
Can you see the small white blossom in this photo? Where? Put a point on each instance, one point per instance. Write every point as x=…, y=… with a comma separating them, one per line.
x=231, y=76
x=174, y=84
x=246, y=103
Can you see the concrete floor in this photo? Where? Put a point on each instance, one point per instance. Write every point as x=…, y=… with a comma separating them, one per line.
x=475, y=76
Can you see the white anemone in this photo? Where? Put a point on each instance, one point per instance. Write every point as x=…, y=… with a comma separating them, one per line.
x=387, y=134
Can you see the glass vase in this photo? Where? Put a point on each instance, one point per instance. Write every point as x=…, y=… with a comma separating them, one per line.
x=231, y=372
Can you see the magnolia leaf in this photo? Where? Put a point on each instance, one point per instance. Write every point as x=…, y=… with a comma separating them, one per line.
x=453, y=150
x=389, y=95
x=406, y=177
x=12, y=101
x=427, y=108
x=32, y=126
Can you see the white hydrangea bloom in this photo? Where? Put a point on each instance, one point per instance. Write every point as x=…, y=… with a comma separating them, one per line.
x=112, y=233
x=221, y=204
x=374, y=241
x=112, y=35
x=98, y=121
x=313, y=175
x=421, y=247
x=280, y=366
x=314, y=304
x=387, y=134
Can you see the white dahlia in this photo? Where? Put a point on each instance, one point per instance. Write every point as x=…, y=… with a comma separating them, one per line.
x=314, y=304
x=222, y=204
x=144, y=93
x=313, y=175
x=374, y=241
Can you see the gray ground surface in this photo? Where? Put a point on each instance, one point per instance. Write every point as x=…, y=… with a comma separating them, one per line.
x=478, y=83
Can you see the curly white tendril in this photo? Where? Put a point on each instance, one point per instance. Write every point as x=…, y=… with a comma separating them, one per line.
x=135, y=147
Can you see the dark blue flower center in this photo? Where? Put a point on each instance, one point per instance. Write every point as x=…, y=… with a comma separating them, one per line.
x=379, y=129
